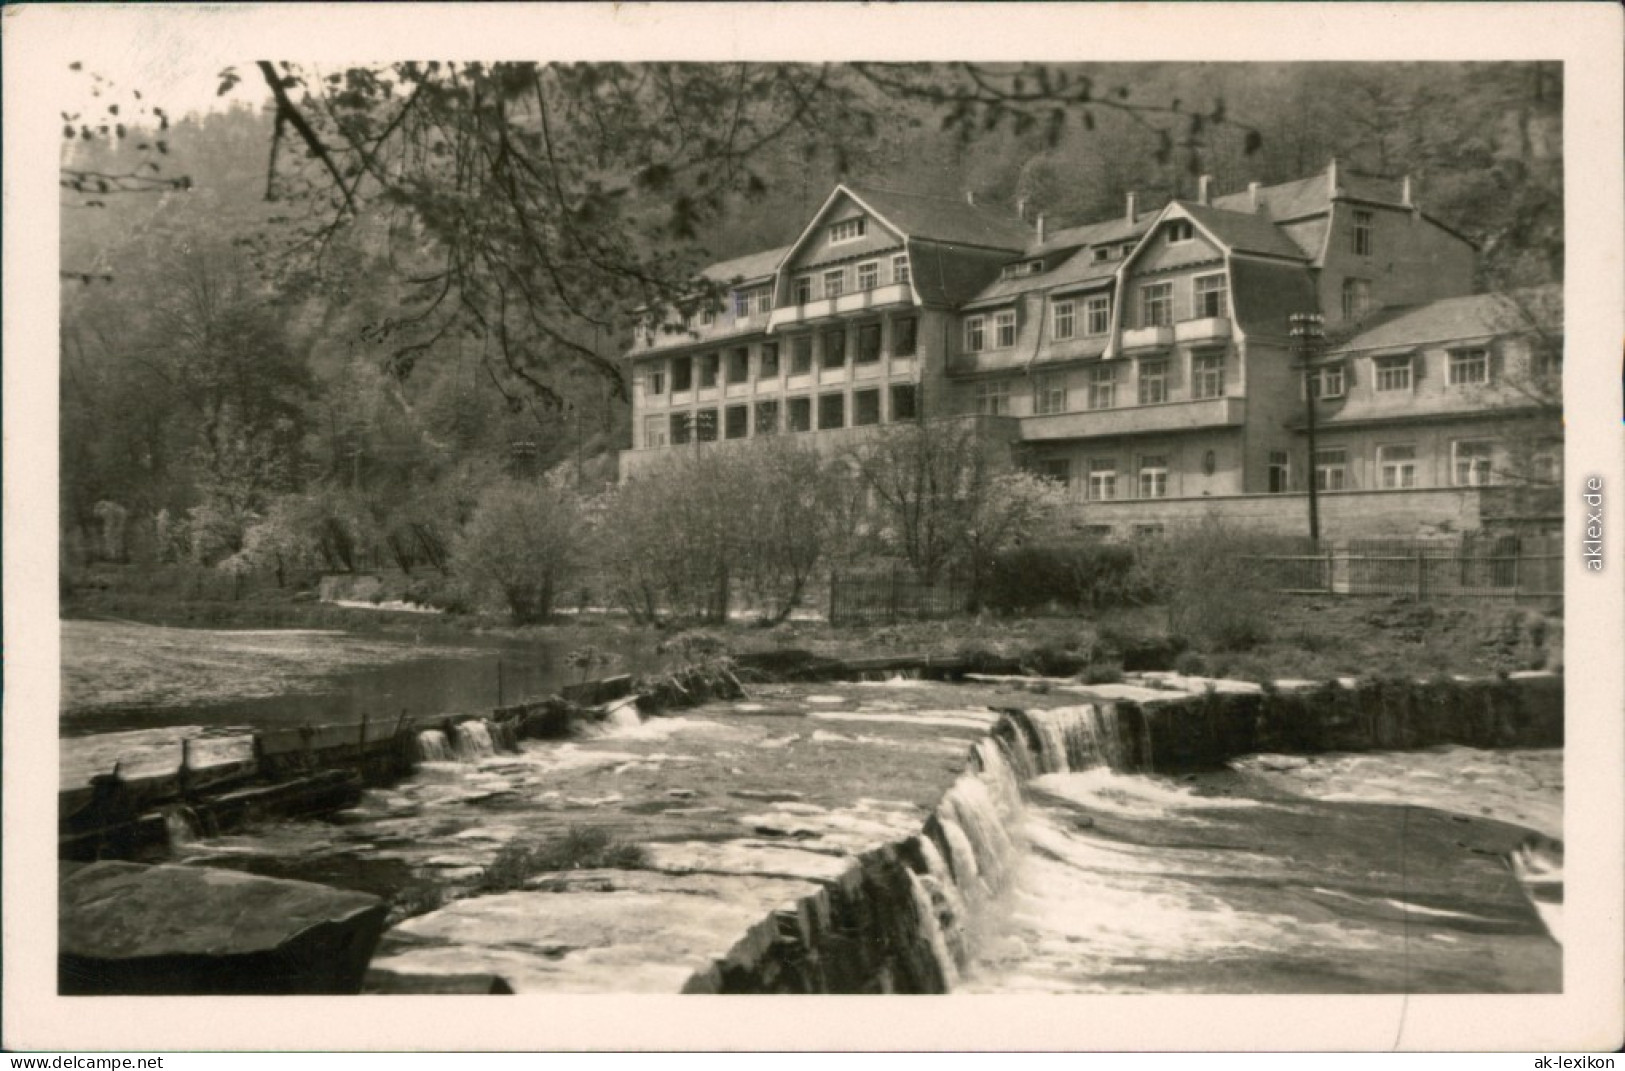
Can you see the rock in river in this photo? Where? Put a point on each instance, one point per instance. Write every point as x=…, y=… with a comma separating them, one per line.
x=125, y=928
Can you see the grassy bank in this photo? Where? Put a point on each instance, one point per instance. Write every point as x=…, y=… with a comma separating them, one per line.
x=1303, y=637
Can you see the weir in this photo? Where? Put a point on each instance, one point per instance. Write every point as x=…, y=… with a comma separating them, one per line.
x=807, y=843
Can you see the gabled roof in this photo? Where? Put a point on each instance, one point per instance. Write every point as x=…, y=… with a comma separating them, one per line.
x=944, y=219
x=1470, y=317
x=1243, y=232
x=749, y=267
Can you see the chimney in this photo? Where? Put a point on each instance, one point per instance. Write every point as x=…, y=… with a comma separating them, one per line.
x=1021, y=209
x=1133, y=203
x=1331, y=179
x=970, y=197
x=1040, y=228
x=1252, y=193
x=1204, y=190
x=1405, y=193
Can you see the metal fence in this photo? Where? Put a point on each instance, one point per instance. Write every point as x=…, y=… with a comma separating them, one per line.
x=883, y=597
x=1471, y=567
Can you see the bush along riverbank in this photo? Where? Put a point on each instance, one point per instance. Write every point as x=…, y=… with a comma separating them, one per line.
x=884, y=919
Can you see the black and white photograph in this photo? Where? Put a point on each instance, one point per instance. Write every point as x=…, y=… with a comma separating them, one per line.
x=740, y=500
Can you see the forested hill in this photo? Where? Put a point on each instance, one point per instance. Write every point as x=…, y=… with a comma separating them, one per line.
x=226, y=360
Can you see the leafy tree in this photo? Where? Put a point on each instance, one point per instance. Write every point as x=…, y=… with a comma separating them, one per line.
x=523, y=543
x=947, y=494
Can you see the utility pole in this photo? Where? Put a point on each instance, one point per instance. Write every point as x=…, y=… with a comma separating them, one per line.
x=1308, y=333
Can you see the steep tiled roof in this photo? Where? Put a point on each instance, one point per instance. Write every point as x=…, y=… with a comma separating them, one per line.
x=1473, y=316
x=944, y=219
x=748, y=267
x=1264, y=295
x=946, y=274
x=1243, y=232
x=1307, y=196
x=1079, y=269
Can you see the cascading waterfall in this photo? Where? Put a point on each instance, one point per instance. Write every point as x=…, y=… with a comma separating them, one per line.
x=471, y=740
x=434, y=747
x=971, y=848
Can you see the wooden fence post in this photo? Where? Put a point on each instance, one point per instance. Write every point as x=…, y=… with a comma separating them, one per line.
x=1421, y=574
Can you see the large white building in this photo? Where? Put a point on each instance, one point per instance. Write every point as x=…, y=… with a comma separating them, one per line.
x=1144, y=361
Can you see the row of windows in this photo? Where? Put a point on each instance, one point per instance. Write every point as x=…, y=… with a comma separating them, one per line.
x=1051, y=393
x=1209, y=299
x=773, y=415
x=834, y=280
x=1471, y=465
x=1101, y=483
x=735, y=364
x=1465, y=368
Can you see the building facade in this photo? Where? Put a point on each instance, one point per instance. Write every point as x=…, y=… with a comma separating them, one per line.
x=1144, y=362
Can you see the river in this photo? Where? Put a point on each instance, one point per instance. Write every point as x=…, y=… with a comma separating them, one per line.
x=122, y=675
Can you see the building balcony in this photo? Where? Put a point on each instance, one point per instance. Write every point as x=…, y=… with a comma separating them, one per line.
x=1136, y=420
x=1148, y=338
x=846, y=304
x=1206, y=329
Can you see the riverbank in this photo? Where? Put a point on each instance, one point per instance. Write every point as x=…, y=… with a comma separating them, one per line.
x=1308, y=638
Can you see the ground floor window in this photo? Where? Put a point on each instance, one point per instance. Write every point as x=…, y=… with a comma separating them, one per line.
x=654, y=431
x=1102, y=479
x=831, y=411
x=682, y=428
x=1154, y=476
x=1280, y=472
x=1396, y=466
x=1148, y=531
x=1058, y=469
x=800, y=414
x=705, y=425
x=1332, y=469
x=767, y=417
x=736, y=421
x=865, y=408
x=1470, y=463
x=905, y=402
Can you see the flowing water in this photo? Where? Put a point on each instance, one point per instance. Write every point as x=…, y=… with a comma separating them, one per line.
x=1042, y=863
x=277, y=678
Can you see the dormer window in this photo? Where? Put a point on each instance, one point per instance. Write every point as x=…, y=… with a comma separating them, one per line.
x=1102, y=254
x=1180, y=230
x=848, y=230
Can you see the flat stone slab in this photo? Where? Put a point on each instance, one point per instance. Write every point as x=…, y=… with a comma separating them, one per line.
x=126, y=928
x=592, y=931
